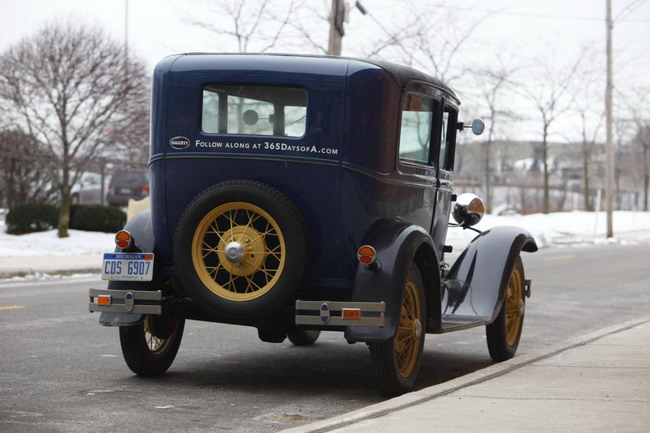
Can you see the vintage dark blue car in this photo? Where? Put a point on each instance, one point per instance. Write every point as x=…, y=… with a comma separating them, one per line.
x=298, y=194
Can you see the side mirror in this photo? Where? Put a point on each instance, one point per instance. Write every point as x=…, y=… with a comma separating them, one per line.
x=468, y=210
x=477, y=126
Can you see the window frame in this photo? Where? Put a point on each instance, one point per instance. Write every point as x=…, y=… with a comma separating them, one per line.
x=279, y=110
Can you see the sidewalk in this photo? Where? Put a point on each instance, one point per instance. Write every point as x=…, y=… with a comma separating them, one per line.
x=59, y=265
x=599, y=382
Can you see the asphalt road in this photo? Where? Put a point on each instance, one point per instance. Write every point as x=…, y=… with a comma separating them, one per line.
x=61, y=371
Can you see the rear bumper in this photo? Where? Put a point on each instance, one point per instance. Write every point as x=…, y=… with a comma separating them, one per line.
x=325, y=313
x=125, y=301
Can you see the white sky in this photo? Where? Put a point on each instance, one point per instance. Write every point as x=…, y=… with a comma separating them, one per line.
x=528, y=28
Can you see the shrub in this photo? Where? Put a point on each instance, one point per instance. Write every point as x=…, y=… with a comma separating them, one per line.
x=32, y=217
x=97, y=218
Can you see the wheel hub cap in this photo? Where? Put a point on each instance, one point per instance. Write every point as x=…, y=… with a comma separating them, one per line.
x=245, y=253
x=417, y=329
x=234, y=252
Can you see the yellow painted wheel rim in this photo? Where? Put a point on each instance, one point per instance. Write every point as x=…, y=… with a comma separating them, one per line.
x=259, y=240
x=514, y=307
x=407, y=337
x=158, y=346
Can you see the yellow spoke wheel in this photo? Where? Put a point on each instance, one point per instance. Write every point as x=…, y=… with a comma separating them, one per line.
x=396, y=363
x=504, y=333
x=238, y=251
x=147, y=354
x=407, y=337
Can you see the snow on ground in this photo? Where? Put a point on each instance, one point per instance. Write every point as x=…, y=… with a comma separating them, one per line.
x=562, y=228
x=48, y=244
x=549, y=230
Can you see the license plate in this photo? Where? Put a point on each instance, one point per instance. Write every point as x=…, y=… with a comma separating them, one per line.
x=128, y=267
x=125, y=191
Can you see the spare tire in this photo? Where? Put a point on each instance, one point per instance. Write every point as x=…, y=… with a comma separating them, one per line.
x=240, y=249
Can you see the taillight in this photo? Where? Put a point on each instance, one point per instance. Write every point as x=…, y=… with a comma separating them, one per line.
x=366, y=255
x=123, y=239
x=145, y=189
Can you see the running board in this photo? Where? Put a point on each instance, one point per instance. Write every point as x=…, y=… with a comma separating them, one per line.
x=451, y=323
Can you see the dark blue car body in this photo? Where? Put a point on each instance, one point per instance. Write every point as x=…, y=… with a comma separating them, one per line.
x=367, y=161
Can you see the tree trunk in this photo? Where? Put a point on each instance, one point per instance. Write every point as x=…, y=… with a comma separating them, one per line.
x=585, y=176
x=64, y=213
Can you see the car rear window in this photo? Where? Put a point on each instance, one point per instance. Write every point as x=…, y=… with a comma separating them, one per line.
x=254, y=110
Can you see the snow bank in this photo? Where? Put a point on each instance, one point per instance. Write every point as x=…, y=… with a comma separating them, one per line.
x=548, y=230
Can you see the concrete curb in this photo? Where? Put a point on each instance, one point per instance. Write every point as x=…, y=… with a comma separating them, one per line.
x=443, y=389
x=23, y=273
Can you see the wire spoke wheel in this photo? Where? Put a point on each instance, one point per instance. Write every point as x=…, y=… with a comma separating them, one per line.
x=406, y=341
x=158, y=347
x=504, y=333
x=238, y=251
x=514, y=307
x=396, y=363
x=151, y=353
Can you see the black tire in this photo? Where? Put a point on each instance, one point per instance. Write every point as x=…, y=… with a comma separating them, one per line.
x=240, y=250
x=145, y=353
x=303, y=337
x=504, y=333
x=396, y=363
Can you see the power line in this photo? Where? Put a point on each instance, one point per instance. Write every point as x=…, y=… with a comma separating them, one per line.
x=629, y=9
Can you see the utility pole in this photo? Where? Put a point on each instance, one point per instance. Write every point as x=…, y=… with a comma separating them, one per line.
x=609, y=164
x=337, y=17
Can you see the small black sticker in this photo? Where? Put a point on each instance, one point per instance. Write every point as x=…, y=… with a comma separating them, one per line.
x=179, y=143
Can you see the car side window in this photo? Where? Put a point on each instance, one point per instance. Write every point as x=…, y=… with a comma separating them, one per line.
x=254, y=110
x=447, y=137
x=415, y=129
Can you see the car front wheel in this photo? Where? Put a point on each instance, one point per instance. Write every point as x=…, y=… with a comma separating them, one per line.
x=504, y=333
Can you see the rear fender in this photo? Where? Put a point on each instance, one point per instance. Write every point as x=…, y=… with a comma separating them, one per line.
x=398, y=245
x=141, y=228
x=476, y=283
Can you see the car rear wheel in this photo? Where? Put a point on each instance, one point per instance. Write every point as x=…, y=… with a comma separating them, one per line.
x=150, y=347
x=396, y=363
x=504, y=333
x=303, y=337
x=240, y=249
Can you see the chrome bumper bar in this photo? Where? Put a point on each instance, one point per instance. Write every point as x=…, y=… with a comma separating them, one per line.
x=125, y=301
x=325, y=313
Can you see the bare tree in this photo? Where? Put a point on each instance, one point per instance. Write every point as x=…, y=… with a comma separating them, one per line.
x=492, y=84
x=552, y=92
x=63, y=86
x=23, y=177
x=430, y=37
x=254, y=25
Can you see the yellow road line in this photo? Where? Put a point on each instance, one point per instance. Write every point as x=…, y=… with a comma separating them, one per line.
x=568, y=256
x=13, y=307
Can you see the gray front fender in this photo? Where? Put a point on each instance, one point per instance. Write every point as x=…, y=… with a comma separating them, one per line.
x=477, y=281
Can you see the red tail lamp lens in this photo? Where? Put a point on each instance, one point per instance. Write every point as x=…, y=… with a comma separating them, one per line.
x=366, y=255
x=123, y=239
x=145, y=189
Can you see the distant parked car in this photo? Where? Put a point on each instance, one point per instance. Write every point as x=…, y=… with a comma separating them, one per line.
x=88, y=190
x=125, y=185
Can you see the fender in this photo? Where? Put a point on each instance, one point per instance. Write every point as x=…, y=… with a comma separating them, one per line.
x=398, y=244
x=141, y=228
x=476, y=283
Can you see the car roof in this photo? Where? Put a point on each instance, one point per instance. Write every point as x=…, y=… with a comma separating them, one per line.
x=308, y=63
